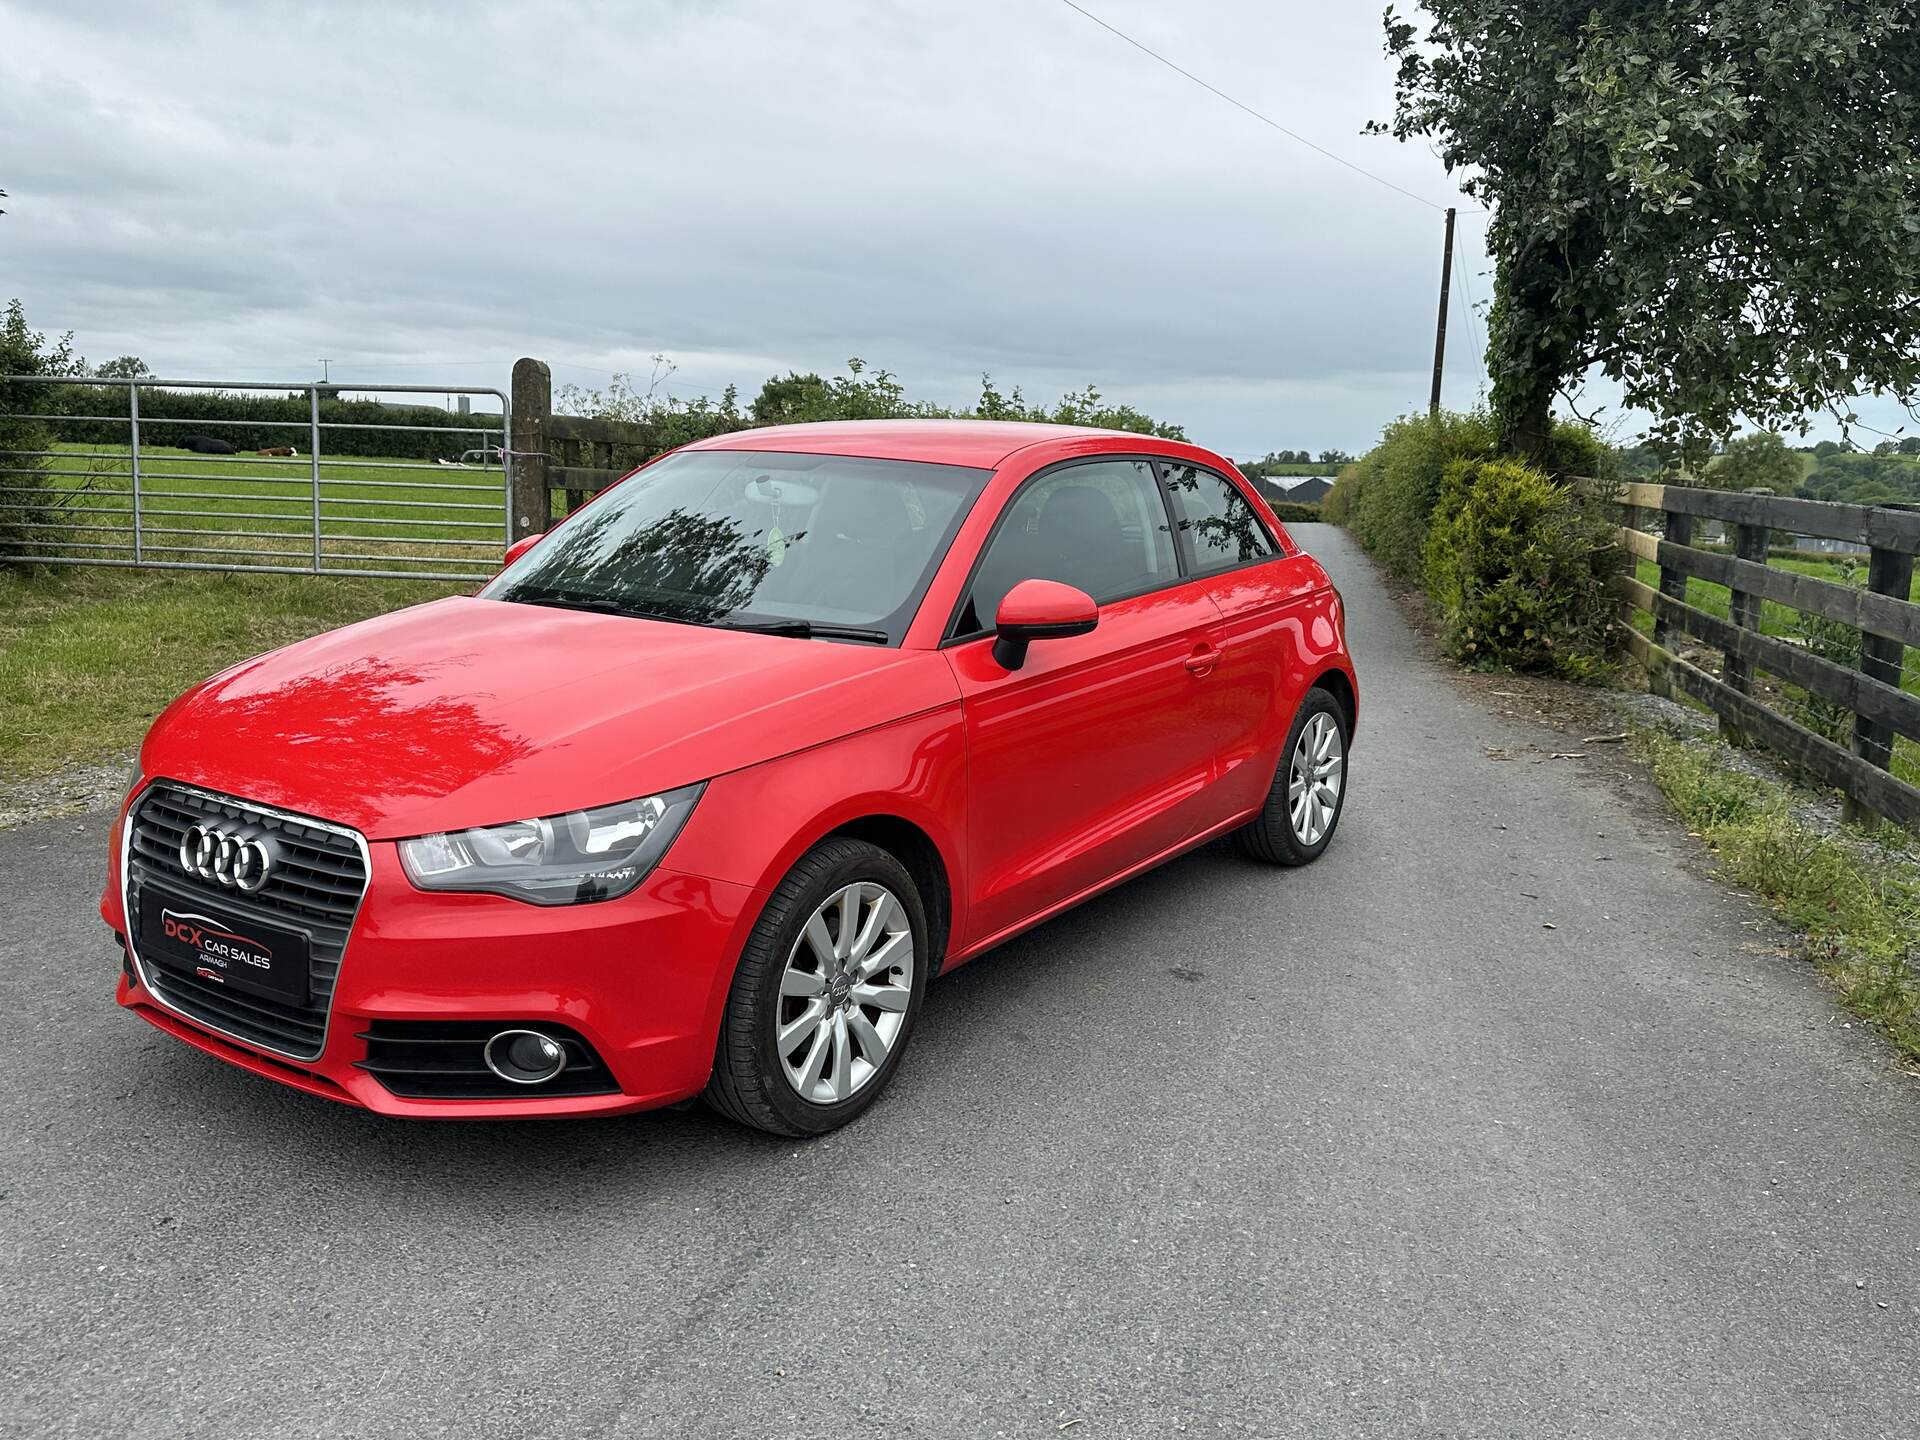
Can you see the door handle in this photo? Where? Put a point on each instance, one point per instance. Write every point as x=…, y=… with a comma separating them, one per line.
x=1202, y=661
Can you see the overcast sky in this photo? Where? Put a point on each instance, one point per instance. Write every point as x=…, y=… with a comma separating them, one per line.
x=423, y=192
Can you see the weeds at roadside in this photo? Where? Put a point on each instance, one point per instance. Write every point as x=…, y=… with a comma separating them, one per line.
x=1854, y=896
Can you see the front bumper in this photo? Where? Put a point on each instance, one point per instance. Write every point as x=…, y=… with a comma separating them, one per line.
x=642, y=979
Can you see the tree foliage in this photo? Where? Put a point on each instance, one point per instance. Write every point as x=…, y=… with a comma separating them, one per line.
x=1760, y=461
x=1716, y=202
x=26, y=351
x=1864, y=479
x=862, y=393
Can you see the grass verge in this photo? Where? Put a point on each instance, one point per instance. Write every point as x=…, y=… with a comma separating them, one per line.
x=1855, y=897
x=89, y=656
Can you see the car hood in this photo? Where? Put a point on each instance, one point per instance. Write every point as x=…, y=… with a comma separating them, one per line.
x=471, y=712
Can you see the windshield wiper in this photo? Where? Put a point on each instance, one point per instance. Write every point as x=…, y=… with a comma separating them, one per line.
x=592, y=604
x=806, y=630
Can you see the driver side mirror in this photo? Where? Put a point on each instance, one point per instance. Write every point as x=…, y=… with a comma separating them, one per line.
x=520, y=547
x=1039, y=610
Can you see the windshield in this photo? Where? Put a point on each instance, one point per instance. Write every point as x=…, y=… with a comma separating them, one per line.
x=823, y=545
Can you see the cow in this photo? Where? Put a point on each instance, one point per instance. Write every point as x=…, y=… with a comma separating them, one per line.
x=278, y=450
x=207, y=445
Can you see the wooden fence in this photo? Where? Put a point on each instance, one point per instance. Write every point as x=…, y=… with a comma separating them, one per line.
x=1887, y=621
x=570, y=454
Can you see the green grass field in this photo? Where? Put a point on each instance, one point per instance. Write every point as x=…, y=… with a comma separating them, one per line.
x=255, y=511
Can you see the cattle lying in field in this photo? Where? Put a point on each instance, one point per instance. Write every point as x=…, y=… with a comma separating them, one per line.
x=206, y=445
x=279, y=450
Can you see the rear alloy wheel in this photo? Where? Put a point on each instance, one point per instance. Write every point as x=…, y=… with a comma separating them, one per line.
x=825, y=995
x=1303, y=806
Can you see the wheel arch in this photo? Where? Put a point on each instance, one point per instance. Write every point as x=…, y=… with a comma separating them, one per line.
x=1337, y=683
x=914, y=848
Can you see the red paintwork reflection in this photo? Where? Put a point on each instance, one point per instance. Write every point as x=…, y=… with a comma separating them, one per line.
x=471, y=712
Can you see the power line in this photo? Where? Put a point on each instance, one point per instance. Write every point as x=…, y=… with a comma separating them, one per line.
x=1473, y=318
x=1240, y=105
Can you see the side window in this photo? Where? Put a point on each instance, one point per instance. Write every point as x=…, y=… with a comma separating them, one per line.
x=1216, y=519
x=1100, y=526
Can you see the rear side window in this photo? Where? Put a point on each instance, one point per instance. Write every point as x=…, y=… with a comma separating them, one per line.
x=1215, y=520
x=1100, y=526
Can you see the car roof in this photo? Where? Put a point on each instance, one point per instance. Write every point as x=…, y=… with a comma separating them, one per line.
x=981, y=443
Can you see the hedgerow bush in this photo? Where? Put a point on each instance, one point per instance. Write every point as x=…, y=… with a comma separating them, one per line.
x=250, y=421
x=1337, y=508
x=1518, y=567
x=1387, y=497
x=1391, y=491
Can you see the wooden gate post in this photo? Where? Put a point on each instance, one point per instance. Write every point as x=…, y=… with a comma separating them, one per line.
x=527, y=493
x=1743, y=609
x=1889, y=572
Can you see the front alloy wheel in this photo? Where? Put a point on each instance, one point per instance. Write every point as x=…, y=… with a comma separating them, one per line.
x=825, y=995
x=845, y=992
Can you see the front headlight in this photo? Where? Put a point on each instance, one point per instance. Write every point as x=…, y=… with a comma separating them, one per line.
x=570, y=859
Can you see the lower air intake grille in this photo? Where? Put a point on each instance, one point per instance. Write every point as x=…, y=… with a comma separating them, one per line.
x=442, y=1060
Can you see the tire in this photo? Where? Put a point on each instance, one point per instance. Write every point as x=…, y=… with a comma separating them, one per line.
x=1274, y=836
x=784, y=985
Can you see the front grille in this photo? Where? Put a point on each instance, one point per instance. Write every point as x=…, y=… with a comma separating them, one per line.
x=318, y=881
x=441, y=1060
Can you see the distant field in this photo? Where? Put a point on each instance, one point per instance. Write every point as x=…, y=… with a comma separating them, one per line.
x=1301, y=472
x=251, y=510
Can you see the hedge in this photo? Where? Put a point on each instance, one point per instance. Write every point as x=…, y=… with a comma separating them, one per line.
x=168, y=415
x=1513, y=563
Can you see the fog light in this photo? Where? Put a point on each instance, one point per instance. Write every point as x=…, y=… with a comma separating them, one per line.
x=525, y=1057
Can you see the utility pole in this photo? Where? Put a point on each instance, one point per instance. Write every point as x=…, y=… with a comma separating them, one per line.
x=326, y=365
x=1440, y=336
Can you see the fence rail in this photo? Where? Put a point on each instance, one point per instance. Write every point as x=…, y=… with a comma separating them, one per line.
x=1869, y=687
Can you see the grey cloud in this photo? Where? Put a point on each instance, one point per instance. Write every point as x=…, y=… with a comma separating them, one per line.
x=942, y=187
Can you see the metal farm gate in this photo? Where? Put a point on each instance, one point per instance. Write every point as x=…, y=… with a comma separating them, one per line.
x=291, y=479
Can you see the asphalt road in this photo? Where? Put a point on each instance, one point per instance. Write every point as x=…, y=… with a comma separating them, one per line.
x=1364, y=1150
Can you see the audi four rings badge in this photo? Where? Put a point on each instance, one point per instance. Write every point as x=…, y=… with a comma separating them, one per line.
x=239, y=862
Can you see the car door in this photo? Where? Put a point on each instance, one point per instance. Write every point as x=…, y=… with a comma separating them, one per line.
x=1092, y=756
x=1263, y=592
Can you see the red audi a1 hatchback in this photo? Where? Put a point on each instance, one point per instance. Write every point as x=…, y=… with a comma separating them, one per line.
x=704, y=788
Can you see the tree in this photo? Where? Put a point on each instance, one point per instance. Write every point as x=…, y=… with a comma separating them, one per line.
x=25, y=351
x=1756, y=462
x=123, y=367
x=1642, y=461
x=860, y=394
x=1715, y=202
